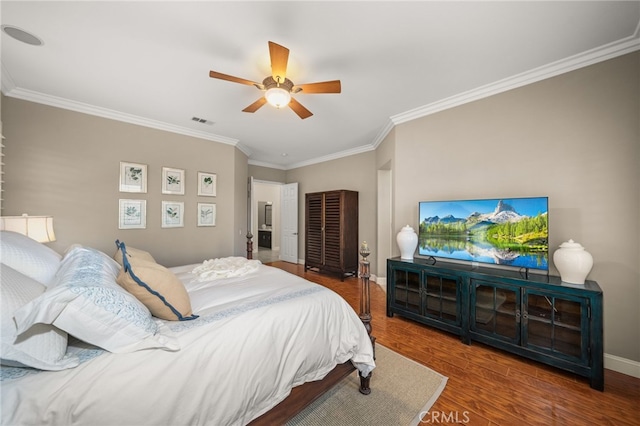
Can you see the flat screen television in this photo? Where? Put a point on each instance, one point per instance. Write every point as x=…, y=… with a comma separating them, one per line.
x=502, y=231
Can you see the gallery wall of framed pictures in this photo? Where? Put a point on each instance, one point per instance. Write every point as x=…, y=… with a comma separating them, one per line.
x=132, y=213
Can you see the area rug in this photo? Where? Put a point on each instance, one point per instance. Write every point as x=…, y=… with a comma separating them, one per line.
x=402, y=392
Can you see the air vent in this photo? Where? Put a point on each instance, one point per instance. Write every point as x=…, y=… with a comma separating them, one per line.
x=202, y=120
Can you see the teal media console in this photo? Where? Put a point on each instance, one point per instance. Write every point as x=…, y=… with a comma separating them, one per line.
x=531, y=315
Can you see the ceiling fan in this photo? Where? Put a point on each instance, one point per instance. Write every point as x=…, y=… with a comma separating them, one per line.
x=278, y=88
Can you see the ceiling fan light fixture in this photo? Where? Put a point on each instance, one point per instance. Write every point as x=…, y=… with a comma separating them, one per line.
x=278, y=97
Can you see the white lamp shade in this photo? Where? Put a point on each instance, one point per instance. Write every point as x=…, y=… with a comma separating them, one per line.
x=39, y=228
x=278, y=97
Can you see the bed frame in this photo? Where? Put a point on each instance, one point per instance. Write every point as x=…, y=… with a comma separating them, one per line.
x=303, y=395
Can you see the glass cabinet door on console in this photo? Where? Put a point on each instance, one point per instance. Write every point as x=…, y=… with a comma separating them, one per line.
x=496, y=311
x=407, y=291
x=442, y=299
x=556, y=324
x=430, y=297
x=545, y=322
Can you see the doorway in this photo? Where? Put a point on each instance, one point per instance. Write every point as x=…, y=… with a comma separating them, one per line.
x=266, y=220
x=264, y=242
x=274, y=217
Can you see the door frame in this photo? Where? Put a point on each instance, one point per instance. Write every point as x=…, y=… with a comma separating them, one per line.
x=254, y=212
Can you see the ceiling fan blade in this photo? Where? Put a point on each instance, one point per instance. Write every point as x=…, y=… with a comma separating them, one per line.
x=279, y=58
x=256, y=105
x=299, y=109
x=214, y=74
x=332, y=86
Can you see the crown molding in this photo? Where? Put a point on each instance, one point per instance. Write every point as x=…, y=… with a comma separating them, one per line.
x=265, y=164
x=383, y=134
x=6, y=80
x=581, y=60
x=334, y=156
x=603, y=53
x=590, y=57
x=32, y=96
x=244, y=149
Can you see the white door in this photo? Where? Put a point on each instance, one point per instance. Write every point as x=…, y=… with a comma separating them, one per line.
x=289, y=223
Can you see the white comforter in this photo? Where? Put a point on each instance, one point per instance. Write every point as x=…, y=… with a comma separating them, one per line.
x=258, y=336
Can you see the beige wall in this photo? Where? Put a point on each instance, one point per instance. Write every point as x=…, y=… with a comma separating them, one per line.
x=66, y=164
x=386, y=232
x=356, y=173
x=241, y=201
x=574, y=138
x=267, y=174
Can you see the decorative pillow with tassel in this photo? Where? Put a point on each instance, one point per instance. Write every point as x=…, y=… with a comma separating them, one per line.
x=155, y=286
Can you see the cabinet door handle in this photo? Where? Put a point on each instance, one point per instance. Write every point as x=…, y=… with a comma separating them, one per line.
x=518, y=315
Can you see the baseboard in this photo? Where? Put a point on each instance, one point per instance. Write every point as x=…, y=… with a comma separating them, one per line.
x=622, y=365
x=382, y=282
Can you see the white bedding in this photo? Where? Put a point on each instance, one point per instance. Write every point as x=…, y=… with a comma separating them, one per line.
x=225, y=267
x=258, y=335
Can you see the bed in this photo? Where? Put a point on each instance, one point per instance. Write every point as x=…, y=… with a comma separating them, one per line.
x=226, y=343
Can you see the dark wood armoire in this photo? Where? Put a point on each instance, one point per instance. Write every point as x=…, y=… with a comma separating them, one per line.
x=331, y=232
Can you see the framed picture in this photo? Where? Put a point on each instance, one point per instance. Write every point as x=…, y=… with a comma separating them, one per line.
x=172, y=214
x=132, y=214
x=207, y=183
x=172, y=181
x=133, y=177
x=206, y=214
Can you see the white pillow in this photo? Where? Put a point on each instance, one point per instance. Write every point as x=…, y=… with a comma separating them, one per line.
x=109, y=262
x=86, y=302
x=28, y=256
x=43, y=346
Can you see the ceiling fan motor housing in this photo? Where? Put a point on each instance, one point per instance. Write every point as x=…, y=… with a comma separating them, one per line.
x=270, y=83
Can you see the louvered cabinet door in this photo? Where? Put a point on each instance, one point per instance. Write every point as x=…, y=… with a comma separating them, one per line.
x=331, y=232
x=313, y=230
x=349, y=244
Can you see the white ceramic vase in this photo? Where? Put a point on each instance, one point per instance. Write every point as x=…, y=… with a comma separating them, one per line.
x=573, y=262
x=407, y=240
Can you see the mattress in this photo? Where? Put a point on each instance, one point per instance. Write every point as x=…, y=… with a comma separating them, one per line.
x=256, y=337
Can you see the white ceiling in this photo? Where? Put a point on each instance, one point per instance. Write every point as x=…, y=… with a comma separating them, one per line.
x=148, y=62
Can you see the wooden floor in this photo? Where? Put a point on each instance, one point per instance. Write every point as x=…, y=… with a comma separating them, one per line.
x=488, y=386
